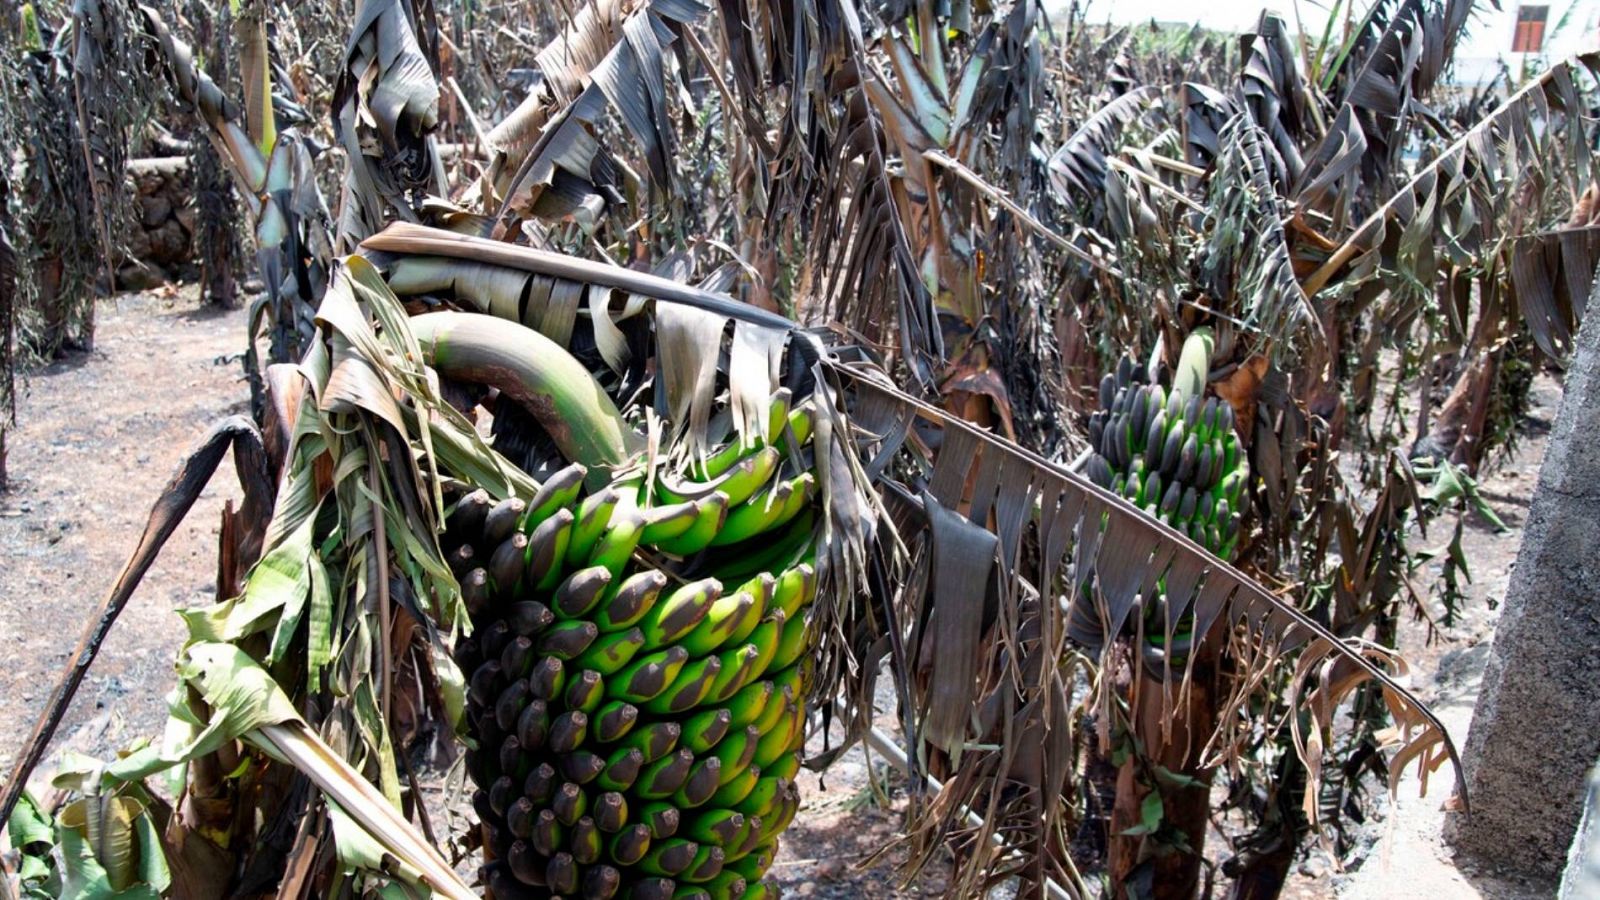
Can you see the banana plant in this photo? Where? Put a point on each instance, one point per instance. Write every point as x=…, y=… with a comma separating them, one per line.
x=274, y=170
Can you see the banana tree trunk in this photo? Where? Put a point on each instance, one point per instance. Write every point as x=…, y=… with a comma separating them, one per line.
x=1145, y=863
x=216, y=207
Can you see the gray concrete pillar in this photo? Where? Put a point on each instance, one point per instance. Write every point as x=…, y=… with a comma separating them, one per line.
x=1582, y=881
x=1536, y=729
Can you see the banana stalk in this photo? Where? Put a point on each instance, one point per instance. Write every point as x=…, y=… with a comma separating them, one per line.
x=539, y=375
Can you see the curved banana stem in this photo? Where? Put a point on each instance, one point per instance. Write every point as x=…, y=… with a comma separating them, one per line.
x=539, y=375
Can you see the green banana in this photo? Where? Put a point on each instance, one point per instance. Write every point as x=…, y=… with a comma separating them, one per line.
x=611, y=651
x=674, y=616
x=548, y=834
x=611, y=812
x=738, y=484
x=788, y=807
x=621, y=769
x=707, y=865
x=736, y=751
x=540, y=785
x=520, y=817
x=737, y=669
x=710, y=512
x=654, y=740
x=736, y=789
x=561, y=873
x=662, y=778
x=787, y=766
x=754, y=864
x=765, y=639
x=581, y=590
x=663, y=523
x=776, y=710
x=688, y=689
x=569, y=803
x=647, y=677
x=565, y=640
x=558, y=492
x=585, y=691
x=726, y=886
x=568, y=731
x=762, y=890
x=766, y=512
x=764, y=798
x=517, y=659
x=762, y=587
x=594, y=515
x=547, y=678
x=705, y=777
x=629, y=602
x=501, y=520
x=718, y=827
x=669, y=857
x=792, y=643
x=581, y=766
x=620, y=539
x=727, y=615
x=630, y=845
x=704, y=729
x=796, y=587
x=585, y=842
x=547, y=547
x=747, y=705
x=662, y=819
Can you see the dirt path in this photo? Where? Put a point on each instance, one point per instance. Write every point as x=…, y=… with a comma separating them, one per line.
x=1407, y=858
x=97, y=437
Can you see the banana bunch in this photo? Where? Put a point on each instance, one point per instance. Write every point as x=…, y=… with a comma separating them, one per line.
x=638, y=726
x=1172, y=453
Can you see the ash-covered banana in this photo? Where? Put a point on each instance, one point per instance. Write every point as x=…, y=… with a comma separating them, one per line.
x=638, y=668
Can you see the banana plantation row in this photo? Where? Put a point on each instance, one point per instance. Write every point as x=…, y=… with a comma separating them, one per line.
x=636, y=384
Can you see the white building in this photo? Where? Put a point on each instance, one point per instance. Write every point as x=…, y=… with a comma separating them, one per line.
x=1526, y=36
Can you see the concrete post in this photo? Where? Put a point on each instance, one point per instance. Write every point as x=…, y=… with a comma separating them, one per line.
x=1536, y=729
x=1583, y=864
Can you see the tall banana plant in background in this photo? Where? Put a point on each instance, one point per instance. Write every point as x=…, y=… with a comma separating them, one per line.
x=274, y=169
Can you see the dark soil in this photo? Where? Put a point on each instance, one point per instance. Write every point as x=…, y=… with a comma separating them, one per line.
x=98, y=435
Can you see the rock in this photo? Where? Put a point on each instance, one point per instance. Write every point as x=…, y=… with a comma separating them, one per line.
x=134, y=277
x=169, y=244
x=154, y=209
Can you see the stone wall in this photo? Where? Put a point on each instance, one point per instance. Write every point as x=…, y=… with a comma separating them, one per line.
x=160, y=243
